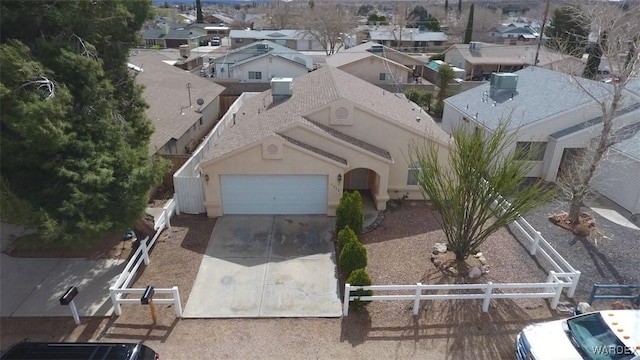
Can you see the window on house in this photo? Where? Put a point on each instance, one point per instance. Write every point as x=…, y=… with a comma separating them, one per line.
x=385, y=77
x=413, y=173
x=531, y=151
x=201, y=121
x=255, y=75
x=238, y=41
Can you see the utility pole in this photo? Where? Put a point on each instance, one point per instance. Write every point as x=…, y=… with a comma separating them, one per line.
x=544, y=23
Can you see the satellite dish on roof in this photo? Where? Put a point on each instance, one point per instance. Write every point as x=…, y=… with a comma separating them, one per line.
x=200, y=102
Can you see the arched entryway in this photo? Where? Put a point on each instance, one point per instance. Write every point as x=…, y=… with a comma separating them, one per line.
x=366, y=181
x=359, y=179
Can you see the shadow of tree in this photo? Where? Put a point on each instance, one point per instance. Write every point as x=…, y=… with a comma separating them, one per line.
x=600, y=261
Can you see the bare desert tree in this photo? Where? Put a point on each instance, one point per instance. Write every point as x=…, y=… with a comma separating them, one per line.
x=281, y=14
x=480, y=189
x=614, y=30
x=327, y=24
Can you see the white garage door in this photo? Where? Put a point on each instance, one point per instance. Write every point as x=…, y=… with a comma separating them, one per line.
x=274, y=194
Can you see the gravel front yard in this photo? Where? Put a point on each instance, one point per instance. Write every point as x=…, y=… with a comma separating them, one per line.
x=399, y=253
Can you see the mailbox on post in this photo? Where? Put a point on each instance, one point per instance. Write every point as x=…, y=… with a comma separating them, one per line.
x=147, y=299
x=67, y=299
x=147, y=296
x=68, y=296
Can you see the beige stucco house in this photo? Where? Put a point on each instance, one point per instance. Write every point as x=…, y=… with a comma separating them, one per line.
x=295, y=148
x=480, y=60
x=381, y=66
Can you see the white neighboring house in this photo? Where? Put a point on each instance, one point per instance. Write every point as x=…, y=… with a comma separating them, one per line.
x=260, y=61
x=410, y=39
x=293, y=39
x=553, y=116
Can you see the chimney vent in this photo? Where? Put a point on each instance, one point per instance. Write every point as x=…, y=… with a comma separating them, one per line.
x=502, y=83
x=185, y=51
x=475, y=46
x=281, y=88
x=377, y=48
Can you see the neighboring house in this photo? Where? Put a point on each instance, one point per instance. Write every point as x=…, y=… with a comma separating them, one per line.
x=173, y=38
x=211, y=30
x=379, y=65
x=260, y=61
x=513, y=33
x=410, y=39
x=295, y=148
x=618, y=178
x=552, y=115
x=183, y=107
x=293, y=39
x=479, y=60
x=221, y=19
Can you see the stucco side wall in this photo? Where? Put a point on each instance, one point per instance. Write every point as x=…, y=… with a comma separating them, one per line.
x=455, y=58
x=617, y=178
x=268, y=66
x=356, y=157
x=251, y=161
x=389, y=136
x=369, y=69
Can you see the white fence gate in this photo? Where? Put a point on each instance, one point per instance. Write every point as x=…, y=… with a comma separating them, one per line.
x=186, y=181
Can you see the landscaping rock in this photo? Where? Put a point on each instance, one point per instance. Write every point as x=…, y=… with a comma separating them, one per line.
x=437, y=262
x=482, y=260
x=439, y=248
x=453, y=271
x=478, y=254
x=484, y=269
x=475, y=272
x=583, y=307
x=433, y=257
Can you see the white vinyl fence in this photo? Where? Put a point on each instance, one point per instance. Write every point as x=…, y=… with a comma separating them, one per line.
x=186, y=181
x=120, y=289
x=485, y=292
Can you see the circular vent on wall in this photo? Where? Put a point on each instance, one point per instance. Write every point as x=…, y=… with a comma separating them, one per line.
x=342, y=113
x=272, y=149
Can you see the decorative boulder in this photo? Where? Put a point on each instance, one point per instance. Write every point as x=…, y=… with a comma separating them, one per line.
x=475, y=272
x=484, y=269
x=440, y=248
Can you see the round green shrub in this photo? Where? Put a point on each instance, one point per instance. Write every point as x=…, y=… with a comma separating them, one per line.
x=349, y=212
x=352, y=256
x=359, y=277
x=344, y=236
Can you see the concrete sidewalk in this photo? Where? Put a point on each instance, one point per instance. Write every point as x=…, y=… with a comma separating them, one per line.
x=33, y=287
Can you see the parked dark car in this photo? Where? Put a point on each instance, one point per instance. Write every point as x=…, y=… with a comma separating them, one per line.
x=79, y=351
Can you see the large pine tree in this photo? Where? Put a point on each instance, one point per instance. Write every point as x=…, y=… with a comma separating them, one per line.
x=74, y=134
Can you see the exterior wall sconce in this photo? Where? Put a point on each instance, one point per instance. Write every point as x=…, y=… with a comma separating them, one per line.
x=206, y=177
x=339, y=178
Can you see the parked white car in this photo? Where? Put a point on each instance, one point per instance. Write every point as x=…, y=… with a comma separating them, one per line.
x=602, y=335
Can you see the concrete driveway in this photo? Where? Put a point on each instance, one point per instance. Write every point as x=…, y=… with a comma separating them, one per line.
x=267, y=266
